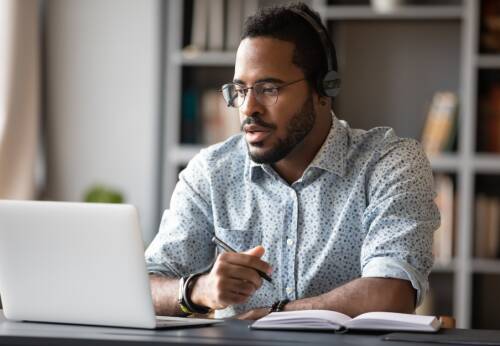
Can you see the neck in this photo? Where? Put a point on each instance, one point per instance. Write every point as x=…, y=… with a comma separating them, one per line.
x=292, y=167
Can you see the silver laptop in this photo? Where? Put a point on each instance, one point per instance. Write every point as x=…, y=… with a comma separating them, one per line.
x=77, y=263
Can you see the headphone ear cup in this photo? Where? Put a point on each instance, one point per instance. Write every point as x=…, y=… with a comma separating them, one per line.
x=330, y=84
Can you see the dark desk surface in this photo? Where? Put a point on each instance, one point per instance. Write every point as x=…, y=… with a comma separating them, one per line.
x=229, y=333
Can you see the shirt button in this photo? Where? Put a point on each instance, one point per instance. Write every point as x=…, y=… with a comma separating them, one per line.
x=289, y=241
x=289, y=290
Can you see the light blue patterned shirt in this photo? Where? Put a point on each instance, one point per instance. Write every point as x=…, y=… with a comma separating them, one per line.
x=363, y=208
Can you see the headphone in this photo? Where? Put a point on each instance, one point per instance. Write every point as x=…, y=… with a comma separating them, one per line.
x=329, y=84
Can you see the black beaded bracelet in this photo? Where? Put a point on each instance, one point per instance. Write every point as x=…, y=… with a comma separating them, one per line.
x=186, y=295
x=279, y=305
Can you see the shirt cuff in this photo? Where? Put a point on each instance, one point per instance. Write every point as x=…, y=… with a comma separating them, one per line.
x=388, y=267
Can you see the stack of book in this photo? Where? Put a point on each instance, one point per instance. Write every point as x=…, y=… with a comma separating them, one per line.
x=443, y=244
x=441, y=124
x=490, y=26
x=487, y=226
x=206, y=119
x=488, y=136
x=217, y=24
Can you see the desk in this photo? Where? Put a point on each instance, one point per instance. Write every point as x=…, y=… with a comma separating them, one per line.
x=232, y=332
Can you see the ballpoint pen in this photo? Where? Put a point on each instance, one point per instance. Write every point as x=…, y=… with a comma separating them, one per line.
x=228, y=248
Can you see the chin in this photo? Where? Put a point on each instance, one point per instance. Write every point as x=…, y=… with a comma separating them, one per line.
x=267, y=155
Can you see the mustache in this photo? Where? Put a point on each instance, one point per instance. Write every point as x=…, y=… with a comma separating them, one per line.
x=255, y=120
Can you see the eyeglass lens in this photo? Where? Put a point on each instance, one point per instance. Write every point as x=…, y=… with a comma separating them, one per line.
x=265, y=93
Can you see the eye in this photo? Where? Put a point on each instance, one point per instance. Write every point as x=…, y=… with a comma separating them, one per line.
x=239, y=91
x=268, y=89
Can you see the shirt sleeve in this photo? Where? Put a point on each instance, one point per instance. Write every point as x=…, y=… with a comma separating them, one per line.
x=183, y=244
x=401, y=216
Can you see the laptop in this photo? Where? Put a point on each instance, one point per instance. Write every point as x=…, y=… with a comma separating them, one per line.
x=77, y=263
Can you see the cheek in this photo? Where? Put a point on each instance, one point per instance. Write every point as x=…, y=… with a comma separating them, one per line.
x=280, y=118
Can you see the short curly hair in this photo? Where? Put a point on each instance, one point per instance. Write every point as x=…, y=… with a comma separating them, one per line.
x=282, y=23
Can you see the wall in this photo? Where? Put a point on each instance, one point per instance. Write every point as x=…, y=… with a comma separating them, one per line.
x=102, y=90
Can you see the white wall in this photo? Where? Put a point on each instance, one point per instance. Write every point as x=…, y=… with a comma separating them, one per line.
x=102, y=104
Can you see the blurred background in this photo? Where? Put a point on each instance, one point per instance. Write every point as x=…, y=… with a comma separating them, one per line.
x=107, y=100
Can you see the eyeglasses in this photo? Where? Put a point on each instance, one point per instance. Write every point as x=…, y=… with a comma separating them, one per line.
x=266, y=93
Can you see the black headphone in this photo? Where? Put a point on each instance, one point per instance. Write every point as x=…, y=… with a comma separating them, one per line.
x=329, y=84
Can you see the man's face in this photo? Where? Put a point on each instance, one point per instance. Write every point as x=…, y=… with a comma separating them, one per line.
x=273, y=131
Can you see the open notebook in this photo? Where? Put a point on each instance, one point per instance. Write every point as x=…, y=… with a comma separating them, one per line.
x=336, y=321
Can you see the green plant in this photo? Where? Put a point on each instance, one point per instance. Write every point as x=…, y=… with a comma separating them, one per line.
x=103, y=194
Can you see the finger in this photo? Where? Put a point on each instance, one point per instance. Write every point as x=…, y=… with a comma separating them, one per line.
x=228, y=297
x=241, y=273
x=241, y=287
x=245, y=260
x=257, y=251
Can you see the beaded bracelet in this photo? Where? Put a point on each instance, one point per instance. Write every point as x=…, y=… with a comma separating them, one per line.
x=279, y=305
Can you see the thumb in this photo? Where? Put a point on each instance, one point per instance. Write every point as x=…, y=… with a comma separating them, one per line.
x=257, y=251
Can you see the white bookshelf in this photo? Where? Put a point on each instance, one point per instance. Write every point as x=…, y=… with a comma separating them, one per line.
x=448, y=163
x=461, y=19
x=488, y=61
x=203, y=58
x=345, y=12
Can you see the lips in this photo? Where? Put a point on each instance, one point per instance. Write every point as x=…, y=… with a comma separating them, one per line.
x=255, y=133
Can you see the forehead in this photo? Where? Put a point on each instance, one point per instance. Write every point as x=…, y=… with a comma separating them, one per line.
x=263, y=57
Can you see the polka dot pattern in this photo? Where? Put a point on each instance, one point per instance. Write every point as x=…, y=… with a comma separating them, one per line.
x=363, y=208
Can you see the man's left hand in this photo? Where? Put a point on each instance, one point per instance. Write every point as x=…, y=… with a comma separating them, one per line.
x=254, y=314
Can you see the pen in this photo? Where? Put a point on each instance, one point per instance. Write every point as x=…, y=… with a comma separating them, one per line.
x=227, y=248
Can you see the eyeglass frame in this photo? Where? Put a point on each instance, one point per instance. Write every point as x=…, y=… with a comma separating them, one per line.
x=246, y=89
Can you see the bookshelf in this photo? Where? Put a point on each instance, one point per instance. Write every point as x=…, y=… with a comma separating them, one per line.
x=421, y=49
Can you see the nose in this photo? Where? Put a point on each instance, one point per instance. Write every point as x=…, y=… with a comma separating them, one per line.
x=250, y=106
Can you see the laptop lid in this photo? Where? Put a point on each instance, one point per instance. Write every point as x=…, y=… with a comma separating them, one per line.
x=77, y=263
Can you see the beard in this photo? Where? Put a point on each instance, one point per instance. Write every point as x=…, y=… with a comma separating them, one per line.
x=297, y=129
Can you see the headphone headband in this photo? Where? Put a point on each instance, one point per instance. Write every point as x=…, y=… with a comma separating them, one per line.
x=321, y=33
x=330, y=82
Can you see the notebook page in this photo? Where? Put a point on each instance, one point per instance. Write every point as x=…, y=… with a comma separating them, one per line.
x=394, y=321
x=313, y=319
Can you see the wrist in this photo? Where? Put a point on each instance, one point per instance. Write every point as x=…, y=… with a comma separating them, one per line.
x=185, y=289
x=198, y=295
x=279, y=305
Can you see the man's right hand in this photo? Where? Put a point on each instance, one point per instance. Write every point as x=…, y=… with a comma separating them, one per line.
x=232, y=280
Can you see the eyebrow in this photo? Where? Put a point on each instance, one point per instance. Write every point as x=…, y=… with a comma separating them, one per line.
x=268, y=80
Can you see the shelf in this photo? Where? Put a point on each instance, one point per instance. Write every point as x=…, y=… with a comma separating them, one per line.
x=486, y=266
x=445, y=162
x=204, y=58
x=180, y=155
x=405, y=12
x=487, y=163
x=443, y=268
x=488, y=61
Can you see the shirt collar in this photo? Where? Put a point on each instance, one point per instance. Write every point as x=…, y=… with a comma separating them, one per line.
x=331, y=156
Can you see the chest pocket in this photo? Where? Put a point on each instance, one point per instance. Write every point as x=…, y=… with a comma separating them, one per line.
x=239, y=239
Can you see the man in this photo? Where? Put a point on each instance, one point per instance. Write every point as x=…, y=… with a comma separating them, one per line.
x=341, y=219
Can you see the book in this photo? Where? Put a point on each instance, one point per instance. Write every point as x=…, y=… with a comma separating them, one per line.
x=199, y=26
x=487, y=226
x=216, y=25
x=489, y=120
x=481, y=217
x=440, y=128
x=218, y=120
x=190, y=122
x=338, y=322
x=443, y=237
x=234, y=23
